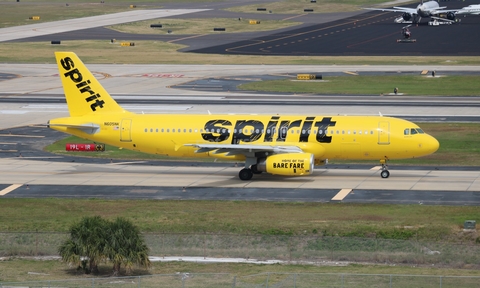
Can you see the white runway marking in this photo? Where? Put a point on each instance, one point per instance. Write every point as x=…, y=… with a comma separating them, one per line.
x=341, y=195
x=9, y=189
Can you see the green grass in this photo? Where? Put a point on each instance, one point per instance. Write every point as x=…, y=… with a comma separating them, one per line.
x=200, y=26
x=111, y=152
x=298, y=6
x=15, y=14
x=18, y=13
x=157, y=52
x=443, y=85
x=239, y=217
x=17, y=270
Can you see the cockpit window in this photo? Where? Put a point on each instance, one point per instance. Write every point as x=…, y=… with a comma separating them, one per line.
x=406, y=131
x=420, y=131
x=413, y=131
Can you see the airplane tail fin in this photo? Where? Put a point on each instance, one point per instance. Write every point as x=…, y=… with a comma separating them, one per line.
x=83, y=92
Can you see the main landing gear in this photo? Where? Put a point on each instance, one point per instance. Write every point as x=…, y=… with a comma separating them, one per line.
x=247, y=173
x=385, y=173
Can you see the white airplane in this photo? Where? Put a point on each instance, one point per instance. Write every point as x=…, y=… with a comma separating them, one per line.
x=470, y=10
x=424, y=9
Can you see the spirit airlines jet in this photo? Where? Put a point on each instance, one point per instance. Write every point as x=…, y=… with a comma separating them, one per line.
x=424, y=9
x=287, y=145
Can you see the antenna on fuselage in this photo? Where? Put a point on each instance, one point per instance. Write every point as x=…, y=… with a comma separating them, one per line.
x=380, y=114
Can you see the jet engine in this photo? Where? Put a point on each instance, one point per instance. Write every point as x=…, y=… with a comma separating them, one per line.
x=289, y=164
x=451, y=16
x=406, y=16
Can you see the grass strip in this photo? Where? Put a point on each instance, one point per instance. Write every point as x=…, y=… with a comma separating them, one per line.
x=401, y=222
x=158, y=52
x=441, y=85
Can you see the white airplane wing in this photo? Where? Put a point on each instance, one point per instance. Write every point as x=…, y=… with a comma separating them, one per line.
x=436, y=12
x=396, y=9
x=244, y=149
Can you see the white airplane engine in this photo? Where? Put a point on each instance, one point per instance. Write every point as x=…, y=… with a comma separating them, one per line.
x=451, y=16
x=407, y=16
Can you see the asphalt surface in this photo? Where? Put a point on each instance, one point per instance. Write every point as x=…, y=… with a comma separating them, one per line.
x=359, y=33
x=370, y=34
x=23, y=145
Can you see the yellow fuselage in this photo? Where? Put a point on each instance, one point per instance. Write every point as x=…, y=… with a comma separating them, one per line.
x=326, y=137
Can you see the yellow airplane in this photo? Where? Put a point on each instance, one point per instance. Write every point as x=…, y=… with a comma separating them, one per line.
x=287, y=145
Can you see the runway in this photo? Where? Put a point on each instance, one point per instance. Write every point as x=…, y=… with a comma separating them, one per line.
x=27, y=171
x=39, y=179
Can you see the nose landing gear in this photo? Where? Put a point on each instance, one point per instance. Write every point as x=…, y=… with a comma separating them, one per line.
x=385, y=173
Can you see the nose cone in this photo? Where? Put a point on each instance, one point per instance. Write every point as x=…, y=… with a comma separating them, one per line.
x=430, y=145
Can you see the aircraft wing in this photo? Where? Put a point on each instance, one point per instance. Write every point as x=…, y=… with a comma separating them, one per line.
x=443, y=19
x=395, y=9
x=244, y=149
x=436, y=12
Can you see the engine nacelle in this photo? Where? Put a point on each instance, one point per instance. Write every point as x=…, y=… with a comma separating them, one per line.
x=451, y=16
x=406, y=16
x=290, y=164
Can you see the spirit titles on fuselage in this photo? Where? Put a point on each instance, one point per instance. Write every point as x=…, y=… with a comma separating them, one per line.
x=276, y=129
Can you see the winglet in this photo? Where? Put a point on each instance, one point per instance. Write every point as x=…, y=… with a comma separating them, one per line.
x=84, y=94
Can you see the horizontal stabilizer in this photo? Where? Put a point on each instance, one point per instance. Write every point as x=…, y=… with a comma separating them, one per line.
x=89, y=128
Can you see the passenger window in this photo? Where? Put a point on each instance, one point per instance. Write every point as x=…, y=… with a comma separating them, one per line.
x=156, y=130
x=162, y=130
x=146, y=130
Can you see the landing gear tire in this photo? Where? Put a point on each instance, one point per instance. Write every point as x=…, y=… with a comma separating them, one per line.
x=385, y=174
x=245, y=174
x=255, y=170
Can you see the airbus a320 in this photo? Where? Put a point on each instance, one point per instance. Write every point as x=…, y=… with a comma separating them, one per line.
x=289, y=145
